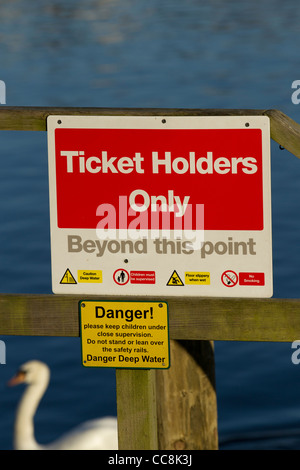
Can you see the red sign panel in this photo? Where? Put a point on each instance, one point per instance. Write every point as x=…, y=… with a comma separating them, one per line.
x=142, y=277
x=131, y=169
x=252, y=279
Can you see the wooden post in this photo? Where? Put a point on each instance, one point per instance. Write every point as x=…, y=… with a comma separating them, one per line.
x=186, y=398
x=136, y=407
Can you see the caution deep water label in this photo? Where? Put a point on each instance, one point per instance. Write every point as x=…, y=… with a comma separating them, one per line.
x=124, y=334
x=89, y=276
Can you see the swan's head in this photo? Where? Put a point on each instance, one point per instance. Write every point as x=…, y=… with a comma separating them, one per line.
x=31, y=372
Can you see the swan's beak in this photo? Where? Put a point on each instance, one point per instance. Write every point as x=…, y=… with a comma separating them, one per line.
x=17, y=379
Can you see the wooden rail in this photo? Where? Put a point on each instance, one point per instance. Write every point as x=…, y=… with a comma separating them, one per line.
x=284, y=130
x=175, y=408
x=189, y=319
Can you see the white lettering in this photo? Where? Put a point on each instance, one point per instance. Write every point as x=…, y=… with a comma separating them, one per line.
x=146, y=200
x=165, y=165
x=69, y=154
x=203, y=165
x=165, y=162
x=164, y=207
x=94, y=169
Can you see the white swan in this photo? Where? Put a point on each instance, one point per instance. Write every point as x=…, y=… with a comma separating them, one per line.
x=91, y=435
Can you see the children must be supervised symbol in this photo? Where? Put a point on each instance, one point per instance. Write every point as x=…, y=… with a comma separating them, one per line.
x=229, y=278
x=121, y=277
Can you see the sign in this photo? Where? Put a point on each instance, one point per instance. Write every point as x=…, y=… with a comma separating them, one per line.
x=124, y=334
x=161, y=206
x=197, y=278
x=229, y=278
x=68, y=278
x=175, y=280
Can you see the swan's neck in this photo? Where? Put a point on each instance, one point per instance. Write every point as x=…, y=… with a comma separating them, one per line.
x=24, y=438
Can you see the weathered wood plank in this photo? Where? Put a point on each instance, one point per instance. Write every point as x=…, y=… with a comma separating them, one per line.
x=34, y=118
x=284, y=130
x=136, y=407
x=190, y=319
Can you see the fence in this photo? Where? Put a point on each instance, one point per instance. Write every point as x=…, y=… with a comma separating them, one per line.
x=174, y=408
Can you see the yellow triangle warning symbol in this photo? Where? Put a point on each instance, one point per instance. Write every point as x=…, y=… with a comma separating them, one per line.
x=175, y=280
x=68, y=278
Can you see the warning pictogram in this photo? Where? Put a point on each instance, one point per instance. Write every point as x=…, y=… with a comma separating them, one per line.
x=175, y=280
x=121, y=277
x=68, y=278
x=229, y=278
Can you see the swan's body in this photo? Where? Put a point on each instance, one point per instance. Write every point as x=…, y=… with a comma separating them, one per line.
x=91, y=435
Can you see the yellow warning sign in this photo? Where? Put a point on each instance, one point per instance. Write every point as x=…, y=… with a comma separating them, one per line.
x=124, y=334
x=175, y=280
x=68, y=278
x=195, y=278
x=89, y=276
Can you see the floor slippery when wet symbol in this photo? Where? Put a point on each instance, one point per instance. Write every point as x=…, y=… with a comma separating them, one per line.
x=175, y=280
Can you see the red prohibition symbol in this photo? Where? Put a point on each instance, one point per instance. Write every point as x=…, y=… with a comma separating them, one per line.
x=121, y=277
x=229, y=278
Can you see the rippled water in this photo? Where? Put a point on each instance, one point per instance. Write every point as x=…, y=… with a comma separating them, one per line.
x=130, y=53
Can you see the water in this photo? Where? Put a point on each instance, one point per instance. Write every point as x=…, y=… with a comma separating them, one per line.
x=133, y=53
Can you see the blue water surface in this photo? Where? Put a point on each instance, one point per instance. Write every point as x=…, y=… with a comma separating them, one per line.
x=136, y=53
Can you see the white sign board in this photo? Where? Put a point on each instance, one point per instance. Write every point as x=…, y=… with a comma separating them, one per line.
x=160, y=206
